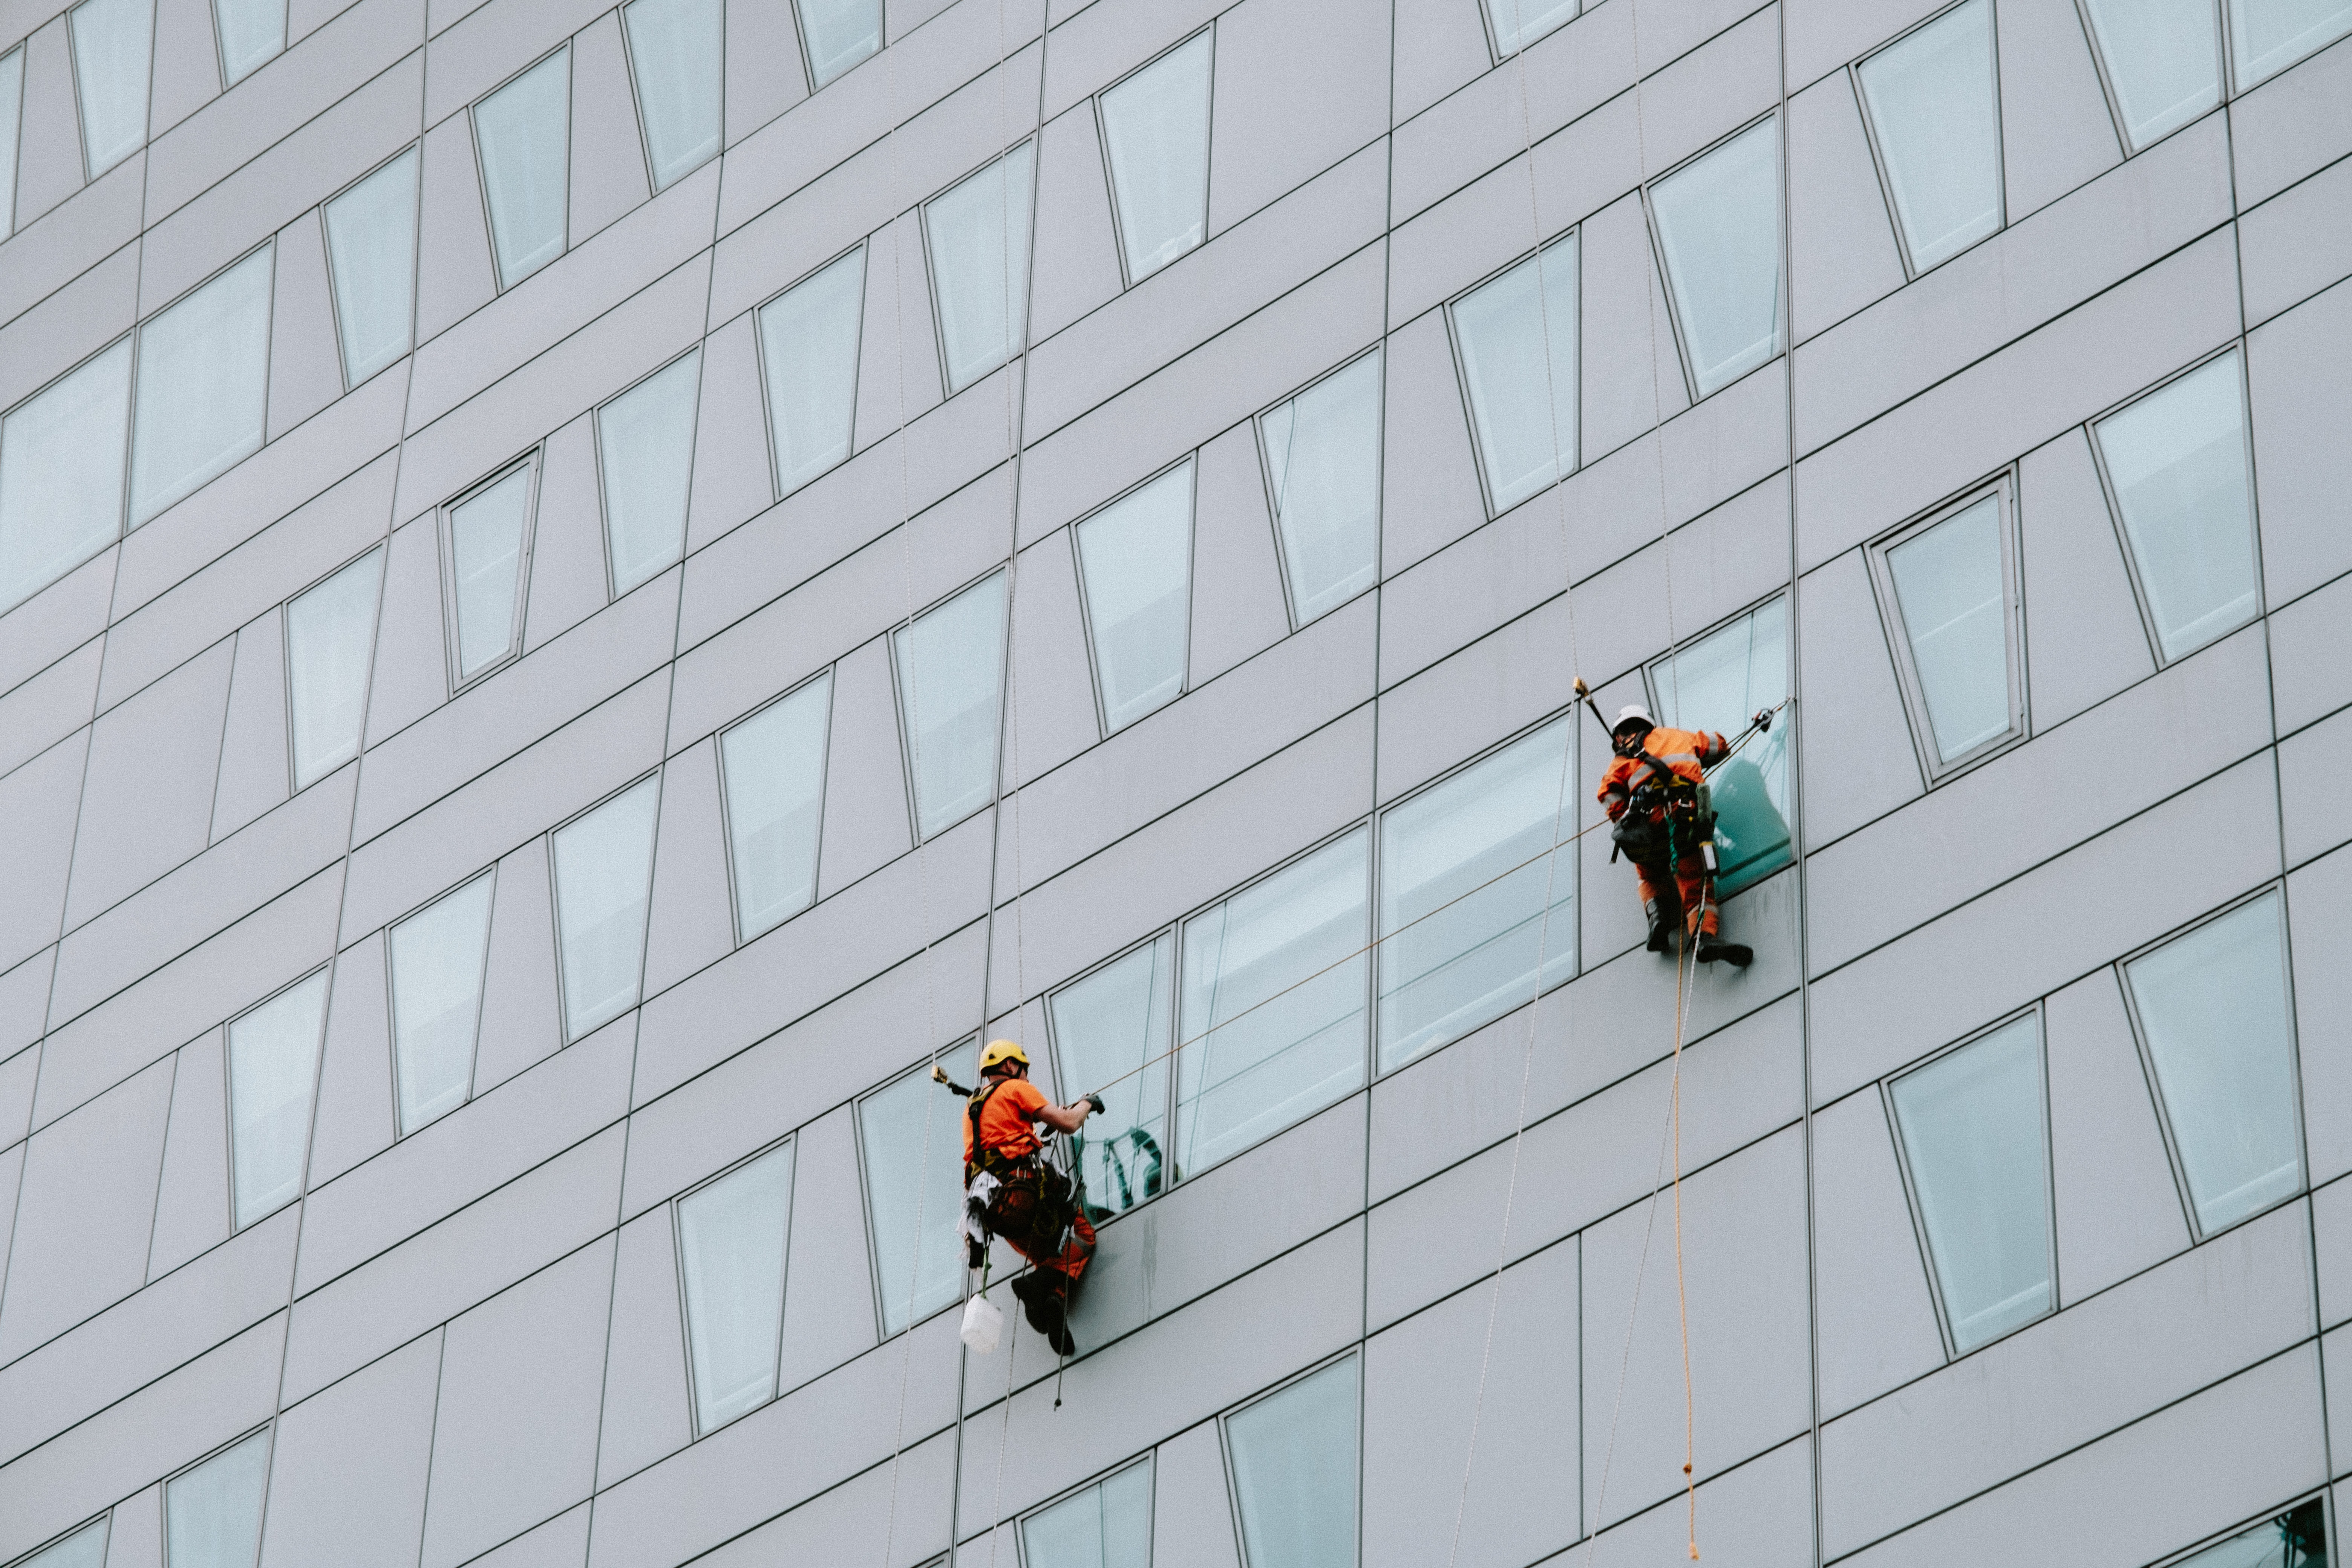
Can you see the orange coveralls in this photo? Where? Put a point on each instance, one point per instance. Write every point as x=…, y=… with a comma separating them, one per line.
x=1686, y=753
x=1011, y=1104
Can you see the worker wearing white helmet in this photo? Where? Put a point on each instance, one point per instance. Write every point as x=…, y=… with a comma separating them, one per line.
x=1654, y=793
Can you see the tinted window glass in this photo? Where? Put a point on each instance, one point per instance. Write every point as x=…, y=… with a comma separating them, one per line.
x=913, y=1139
x=1718, y=683
x=646, y=440
x=950, y=662
x=1323, y=468
x=1518, y=336
x=273, y=1064
x=12, y=92
x=1719, y=229
x=211, y=1515
x=1156, y=131
x=61, y=456
x=2163, y=60
x=2294, y=1539
x=839, y=34
x=774, y=766
x=252, y=32
x=1136, y=557
x=525, y=134
x=603, y=867
x=1294, y=1471
x=486, y=540
x=438, y=954
x=111, y=51
x=1108, y=1525
x=1933, y=103
x=979, y=236
x=675, y=55
x=730, y=1243
x=1951, y=593
x=204, y=386
x=85, y=1547
x=2268, y=36
x=330, y=633
x=808, y=350
x=371, y=248
x=1111, y=1031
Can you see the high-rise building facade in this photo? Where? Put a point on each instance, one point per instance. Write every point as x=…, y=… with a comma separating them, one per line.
x=589, y=592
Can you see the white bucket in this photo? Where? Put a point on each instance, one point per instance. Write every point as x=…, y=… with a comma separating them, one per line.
x=984, y=1325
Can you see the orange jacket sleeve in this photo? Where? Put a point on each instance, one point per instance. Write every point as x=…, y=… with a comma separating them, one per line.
x=1613, y=791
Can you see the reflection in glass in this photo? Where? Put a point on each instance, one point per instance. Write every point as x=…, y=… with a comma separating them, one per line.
x=1518, y=361
x=1135, y=557
x=1976, y=1138
x=204, y=386
x=2178, y=460
x=1155, y=131
x=61, y=459
x=1719, y=227
x=646, y=440
x=1295, y=1472
x=730, y=1243
x=1323, y=467
x=674, y=55
x=2297, y=1539
x=1953, y=597
x=1461, y=930
x=486, y=538
x=2163, y=59
x=808, y=349
x=525, y=134
x=839, y=34
x=1718, y=683
x=950, y=662
x=1518, y=23
x=12, y=95
x=978, y=237
x=211, y=1515
x=438, y=957
x=1933, y=102
x=2215, y=1010
x=2268, y=36
x=252, y=32
x=1272, y=1015
x=914, y=1188
x=372, y=249
x=774, y=768
x=330, y=633
x=1110, y=1032
x=273, y=1063
x=111, y=54
x=1108, y=1525
x=604, y=868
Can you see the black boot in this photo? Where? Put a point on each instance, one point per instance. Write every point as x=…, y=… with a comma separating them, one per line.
x=1662, y=929
x=1711, y=949
x=1048, y=1315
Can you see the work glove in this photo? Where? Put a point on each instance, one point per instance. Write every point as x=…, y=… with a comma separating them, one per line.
x=1096, y=1099
x=1764, y=719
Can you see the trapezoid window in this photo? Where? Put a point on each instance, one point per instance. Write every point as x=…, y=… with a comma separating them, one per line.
x=2268, y=36
x=252, y=32
x=203, y=397
x=330, y=638
x=677, y=61
x=11, y=104
x=212, y=1514
x=978, y=233
x=1516, y=335
x=2296, y=1538
x=62, y=455
x=372, y=255
x=1718, y=226
x=1518, y=23
x=808, y=358
x=85, y=1547
x=1135, y=564
x=603, y=880
x=273, y=1065
x=911, y=1133
x=1950, y=589
x=1935, y=112
x=1295, y=1456
x=1155, y=130
x=523, y=132
x=950, y=668
x=732, y=1235
x=1111, y=1035
x=837, y=34
x=773, y=766
x=1106, y=1525
x=1718, y=683
x=439, y=957
x=644, y=449
x=112, y=53
x=488, y=547
x=2162, y=60
x=1322, y=455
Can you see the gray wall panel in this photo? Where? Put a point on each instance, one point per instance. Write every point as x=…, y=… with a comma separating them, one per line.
x=609, y=176
x=1238, y=604
x=1077, y=245
x=732, y=475
x=1300, y=85
x=354, y=1119
x=1874, y=1315
x=1756, y=1513
x=40, y=711
x=148, y=798
x=2118, y=1206
x=43, y=798
x=2056, y=130
x=1050, y=714
x=570, y=581
x=2298, y=122
x=2300, y=391
x=690, y=920
x=192, y=1198
x=255, y=773
x=1853, y=708
x=2311, y=773
x=763, y=47
x=348, y=1468
x=306, y=368
x=2318, y=896
x=2084, y=638
x=829, y=1313
x=2295, y=244
x=71, y=325
x=522, y=1021
x=645, y=1412
x=50, y=157
x=1191, y=1511
x=1843, y=252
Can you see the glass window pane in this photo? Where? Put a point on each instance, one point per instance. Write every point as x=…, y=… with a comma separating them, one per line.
x=674, y=53
x=2163, y=59
x=371, y=248
x=1460, y=929
x=1323, y=464
x=839, y=34
x=2268, y=36
x=603, y=867
x=979, y=236
x=1156, y=131
x=645, y=439
x=1136, y=557
x=2215, y=1009
x=2177, y=458
x=808, y=349
x=1523, y=403
x=211, y=1515
x=111, y=41
x=950, y=662
x=730, y=1241
x=1718, y=683
x=1518, y=23
x=1272, y=1019
x=486, y=536
x=774, y=767
x=914, y=1188
x=2293, y=1539
x=12, y=95
x=1110, y=1033
x=1953, y=597
x=1933, y=103
x=273, y=1061
x=204, y=386
x=61, y=456
x=524, y=128
x=85, y=1547
x=1719, y=227
x=330, y=633
x=1295, y=1469
x=1973, y=1131
x=437, y=956
x=1108, y=1525
x=252, y=32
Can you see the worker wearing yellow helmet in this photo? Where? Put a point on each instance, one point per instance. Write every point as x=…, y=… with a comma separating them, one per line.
x=1031, y=1205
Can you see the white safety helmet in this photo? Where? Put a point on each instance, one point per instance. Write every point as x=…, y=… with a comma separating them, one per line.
x=1632, y=714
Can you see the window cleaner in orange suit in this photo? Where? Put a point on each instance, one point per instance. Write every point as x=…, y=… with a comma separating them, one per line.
x=1655, y=791
x=1019, y=1196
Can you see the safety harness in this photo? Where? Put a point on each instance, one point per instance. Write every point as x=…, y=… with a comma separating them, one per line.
x=1663, y=811
x=1022, y=1198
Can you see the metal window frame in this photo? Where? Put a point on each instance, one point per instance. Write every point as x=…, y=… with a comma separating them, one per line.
x=808, y=55
x=1375, y=350
x=103, y=1522
x=908, y=702
x=481, y=996
x=2275, y=888
x=788, y=1141
x=727, y=807
x=132, y=521
x=2035, y=1010
x=1166, y=1063
x=228, y=1091
x=1146, y=1460
x=1664, y=274
x=416, y=245
x=1500, y=56
x=284, y=612
x=1017, y=345
x=445, y=524
x=1224, y=1417
x=2113, y=498
x=1912, y=269
x=2114, y=96
x=2001, y=489
x=15, y=117
x=866, y=1186
x=499, y=282
x=614, y=591
x=1572, y=236
x=654, y=182
x=555, y=899
x=1189, y=460
x=220, y=49
x=267, y=1430
x=856, y=369
x=90, y=175
x=1128, y=279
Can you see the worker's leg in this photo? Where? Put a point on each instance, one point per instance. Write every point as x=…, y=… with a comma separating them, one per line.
x=1661, y=906
x=1696, y=889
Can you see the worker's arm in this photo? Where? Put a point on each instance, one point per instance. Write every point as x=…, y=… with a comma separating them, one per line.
x=1068, y=1118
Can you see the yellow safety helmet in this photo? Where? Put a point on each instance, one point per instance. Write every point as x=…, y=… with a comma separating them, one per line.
x=998, y=1052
